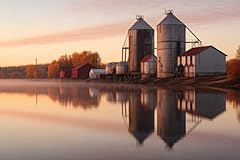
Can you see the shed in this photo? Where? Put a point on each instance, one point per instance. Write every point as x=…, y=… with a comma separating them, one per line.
x=96, y=73
x=149, y=66
x=202, y=61
x=82, y=72
x=65, y=72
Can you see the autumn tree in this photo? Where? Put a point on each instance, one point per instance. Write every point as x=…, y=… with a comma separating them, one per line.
x=233, y=67
x=86, y=57
x=53, y=70
x=65, y=61
x=30, y=71
x=78, y=59
x=94, y=59
x=238, y=53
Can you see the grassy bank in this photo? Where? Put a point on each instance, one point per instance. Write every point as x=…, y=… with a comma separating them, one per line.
x=207, y=81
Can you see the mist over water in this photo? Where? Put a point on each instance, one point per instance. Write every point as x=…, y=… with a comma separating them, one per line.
x=42, y=119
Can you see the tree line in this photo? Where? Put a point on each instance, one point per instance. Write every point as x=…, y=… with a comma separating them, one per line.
x=51, y=70
x=233, y=65
x=21, y=72
x=74, y=60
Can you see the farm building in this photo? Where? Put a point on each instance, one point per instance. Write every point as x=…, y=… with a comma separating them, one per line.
x=149, y=66
x=202, y=61
x=82, y=72
x=96, y=73
x=65, y=72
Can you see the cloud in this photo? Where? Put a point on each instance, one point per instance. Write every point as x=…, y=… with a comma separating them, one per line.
x=191, y=13
x=64, y=120
x=88, y=33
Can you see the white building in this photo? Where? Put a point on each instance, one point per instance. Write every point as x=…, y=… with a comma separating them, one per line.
x=96, y=73
x=202, y=61
x=149, y=66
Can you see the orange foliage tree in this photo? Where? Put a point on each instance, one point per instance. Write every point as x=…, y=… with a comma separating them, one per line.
x=92, y=58
x=74, y=60
x=30, y=71
x=65, y=61
x=233, y=68
x=53, y=70
x=238, y=53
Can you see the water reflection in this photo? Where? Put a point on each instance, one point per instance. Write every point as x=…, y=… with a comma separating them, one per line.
x=234, y=98
x=203, y=103
x=74, y=96
x=173, y=108
x=141, y=114
x=171, y=121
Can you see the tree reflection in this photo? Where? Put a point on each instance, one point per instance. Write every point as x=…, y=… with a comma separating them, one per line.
x=74, y=96
x=233, y=98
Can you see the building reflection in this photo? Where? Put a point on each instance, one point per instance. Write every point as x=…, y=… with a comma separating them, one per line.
x=203, y=103
x=77, y=97
x=172, y=107
x=142, y=104
x=171, y=122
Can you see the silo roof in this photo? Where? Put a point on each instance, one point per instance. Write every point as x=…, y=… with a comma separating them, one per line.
x=149, y=57
x=171, y=19
x=140, y=25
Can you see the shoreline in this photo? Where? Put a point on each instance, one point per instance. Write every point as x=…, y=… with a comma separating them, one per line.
x=214, y=82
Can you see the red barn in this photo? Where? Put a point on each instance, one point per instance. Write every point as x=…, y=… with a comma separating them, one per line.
x=82, y=72
x=65, y=72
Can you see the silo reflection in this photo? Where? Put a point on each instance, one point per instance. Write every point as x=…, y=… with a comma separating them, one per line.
x=171, y=122
x=141, y=117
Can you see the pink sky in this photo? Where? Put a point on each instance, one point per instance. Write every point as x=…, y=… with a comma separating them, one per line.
x=46, y=30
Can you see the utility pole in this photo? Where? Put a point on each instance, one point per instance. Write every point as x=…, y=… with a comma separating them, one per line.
x=36, y=61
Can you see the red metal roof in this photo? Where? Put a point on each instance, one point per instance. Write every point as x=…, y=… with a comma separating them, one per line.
x=148, y=57
x=76, y=68
x=195, y=51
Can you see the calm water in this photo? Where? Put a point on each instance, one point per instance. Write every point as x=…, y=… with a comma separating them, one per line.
x=71, y=121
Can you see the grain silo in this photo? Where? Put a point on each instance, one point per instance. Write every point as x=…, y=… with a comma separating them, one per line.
x=141, y=43
x=171, y=39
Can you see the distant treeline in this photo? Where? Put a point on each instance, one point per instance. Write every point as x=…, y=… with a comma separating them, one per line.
x=74, y=60
x=22, y=72
x=51, y=70
x=233, y=65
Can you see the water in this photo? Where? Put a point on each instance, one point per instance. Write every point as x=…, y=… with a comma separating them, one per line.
x=44, y=120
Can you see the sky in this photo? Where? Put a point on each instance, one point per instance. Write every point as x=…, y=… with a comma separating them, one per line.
x=46, y=29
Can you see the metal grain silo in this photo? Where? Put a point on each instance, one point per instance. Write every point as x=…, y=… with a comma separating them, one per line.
x=171, y=39
x=141, y=43
x=121, y=68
